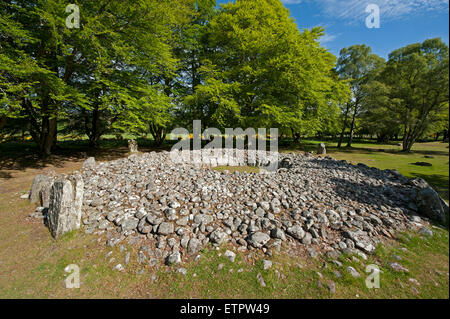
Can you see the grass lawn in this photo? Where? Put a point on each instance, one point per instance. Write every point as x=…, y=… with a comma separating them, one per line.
x=32, y=263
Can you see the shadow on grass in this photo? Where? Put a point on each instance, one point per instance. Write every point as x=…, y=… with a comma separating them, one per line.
x=23, y=155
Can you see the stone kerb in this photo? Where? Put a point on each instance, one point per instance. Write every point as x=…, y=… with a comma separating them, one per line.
x=224, y=157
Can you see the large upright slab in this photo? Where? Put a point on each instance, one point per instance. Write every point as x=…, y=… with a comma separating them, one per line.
x=40, y=190
x=428, y=201
x=66, y=197
x=78, y=192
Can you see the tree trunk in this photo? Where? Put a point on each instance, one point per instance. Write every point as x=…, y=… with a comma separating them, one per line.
x=341, y=138
x=296, y=137
x=47, y=140
x=3, y=121
x=437, y=136
x=352, y=127
x=408, y=146
x=159, y=137
x=408, y=141
x=159, y=134
x=95, y=134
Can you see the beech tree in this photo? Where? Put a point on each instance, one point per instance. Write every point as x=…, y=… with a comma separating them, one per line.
x=93, y=73
x=261, y=71
x=414, y=89
x=358, y=65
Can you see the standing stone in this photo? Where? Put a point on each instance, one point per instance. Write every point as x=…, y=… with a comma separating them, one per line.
x=430, y=204
x=132, y=146
x=44, y=193
x=64, y=213
x=428, y=201
x=321, y=149
x=78, y=192
x=89, y=163
x=40, y=190
x=60, y=208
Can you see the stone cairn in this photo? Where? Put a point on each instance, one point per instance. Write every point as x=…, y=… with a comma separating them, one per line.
x=172, y=210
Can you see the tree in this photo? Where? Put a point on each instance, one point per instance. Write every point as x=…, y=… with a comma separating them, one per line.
x=415, y=89
x=356, y=64
x=261, y=71
x=374, y=117
x=136, y=53
x=190, y=47
x=91, y=73
x=31, y=74
x=151, y=112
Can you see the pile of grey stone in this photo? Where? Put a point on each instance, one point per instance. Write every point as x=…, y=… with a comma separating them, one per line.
x=312, y=204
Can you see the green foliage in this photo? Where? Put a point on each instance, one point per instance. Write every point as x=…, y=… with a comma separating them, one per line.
x=358, y=65
x=90, y=75
x=264, y=72
x=151, y=65
x=413, y=90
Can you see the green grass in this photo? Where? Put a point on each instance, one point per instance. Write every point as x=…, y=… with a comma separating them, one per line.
x=287, y=280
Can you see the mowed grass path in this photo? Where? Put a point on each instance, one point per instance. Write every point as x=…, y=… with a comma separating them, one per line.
x=32, y=263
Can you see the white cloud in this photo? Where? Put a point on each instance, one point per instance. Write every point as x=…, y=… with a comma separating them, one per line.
x=328, y=38
x=354, y=10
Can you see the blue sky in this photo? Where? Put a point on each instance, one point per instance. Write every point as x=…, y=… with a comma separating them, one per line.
x=402, y=22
